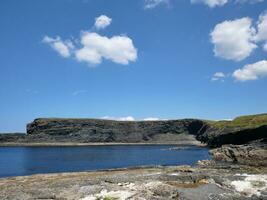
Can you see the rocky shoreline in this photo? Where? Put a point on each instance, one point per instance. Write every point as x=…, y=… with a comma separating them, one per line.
x=207, y=180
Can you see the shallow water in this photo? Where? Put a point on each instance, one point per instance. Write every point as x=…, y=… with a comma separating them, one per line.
x=17, y=161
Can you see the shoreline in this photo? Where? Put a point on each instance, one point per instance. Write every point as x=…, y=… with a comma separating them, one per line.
x=147, y=182
x=94, y=171
x=74, y=144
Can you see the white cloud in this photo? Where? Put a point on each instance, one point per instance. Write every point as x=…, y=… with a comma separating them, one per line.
x=92, y=47
x=62, y=47
x=210, y=3
x=261, y=35
x=251, y=72
x=262, y=27
x=128, y=118
x=218, y=76
x=151, y=119
x=149, y=4
x=119, y=49
x=233, y=40
x=102, y=21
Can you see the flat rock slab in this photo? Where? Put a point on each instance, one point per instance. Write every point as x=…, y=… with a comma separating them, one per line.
x=202, y=182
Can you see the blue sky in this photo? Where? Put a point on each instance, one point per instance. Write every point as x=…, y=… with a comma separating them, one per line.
x=143, y=59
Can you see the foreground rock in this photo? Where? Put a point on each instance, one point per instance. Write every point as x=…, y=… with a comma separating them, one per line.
x=206, y=181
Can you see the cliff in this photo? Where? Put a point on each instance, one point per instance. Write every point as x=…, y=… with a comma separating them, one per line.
x=239, y=131
x=96, y=130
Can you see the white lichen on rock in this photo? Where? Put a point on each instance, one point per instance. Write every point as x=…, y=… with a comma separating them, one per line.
x=104, y=194
x=251, y=185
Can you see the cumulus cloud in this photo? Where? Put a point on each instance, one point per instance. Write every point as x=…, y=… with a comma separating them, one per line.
x=128, y=118
x=210, y=3
x=151, y=119
x=62, y=47
x=102, y=21
x=261, y=35
x=149, y=4
x=218, y=76
x=251, y=71
x=92, y=47
x=262, y=27
x=119, y=49
x=234, y=40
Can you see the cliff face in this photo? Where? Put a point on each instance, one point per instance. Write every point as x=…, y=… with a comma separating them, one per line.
x=254, y=153
x=241, y=130
x=95, y=130
x=214, y=133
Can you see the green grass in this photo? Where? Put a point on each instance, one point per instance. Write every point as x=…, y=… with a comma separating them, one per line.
x=248, y=121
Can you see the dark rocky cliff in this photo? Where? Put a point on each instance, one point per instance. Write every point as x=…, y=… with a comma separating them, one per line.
x=96, y=130
x=241, y=130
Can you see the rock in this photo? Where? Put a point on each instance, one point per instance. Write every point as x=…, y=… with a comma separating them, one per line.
x=95, y=130
x=241, y=130
x=250, y=154
x=215, y=133
x=205, y=162
x=139, y=183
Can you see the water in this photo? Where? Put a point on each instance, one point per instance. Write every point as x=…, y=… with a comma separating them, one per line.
x=17, y=161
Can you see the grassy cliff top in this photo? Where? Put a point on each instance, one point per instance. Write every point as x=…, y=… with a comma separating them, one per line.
x=247, y=121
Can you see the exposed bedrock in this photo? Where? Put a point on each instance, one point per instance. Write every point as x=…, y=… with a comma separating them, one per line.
x=95, y=130
x=216, y=137
x=214, y=133
x=249, y=154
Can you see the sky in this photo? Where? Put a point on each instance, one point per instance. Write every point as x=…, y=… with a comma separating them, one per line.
x=131, y=60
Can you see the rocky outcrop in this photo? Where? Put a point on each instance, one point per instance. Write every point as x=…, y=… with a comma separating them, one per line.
x=241, y=130
x=216, y=137
x=95, y=130
x=220, y=182
x=214, y=133
x=12, y=137
x=254, y=154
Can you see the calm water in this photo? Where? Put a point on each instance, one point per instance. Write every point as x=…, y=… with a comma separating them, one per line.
x=16, y=161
